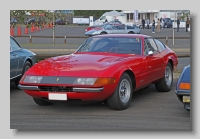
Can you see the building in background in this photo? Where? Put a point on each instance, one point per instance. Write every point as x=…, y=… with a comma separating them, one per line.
x=154, y=14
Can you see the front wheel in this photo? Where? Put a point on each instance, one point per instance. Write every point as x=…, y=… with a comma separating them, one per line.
x=131, y=32
x=27, y=66
x=103, y=33
x=122, y=96
x=165, y=84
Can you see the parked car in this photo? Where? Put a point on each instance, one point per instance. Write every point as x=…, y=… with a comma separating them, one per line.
x=114, y=29
x=183, y=87
x=167, y=23
x=60, y=22
x=99, y=27
x=95, y=27
x=104, y=68
x=21, y=60
x=33, y=20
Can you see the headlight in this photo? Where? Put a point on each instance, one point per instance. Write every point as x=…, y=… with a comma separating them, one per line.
x=32, y=79
x=85, y=81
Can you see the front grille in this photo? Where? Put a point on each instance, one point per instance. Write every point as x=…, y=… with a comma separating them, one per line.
x=56, y=88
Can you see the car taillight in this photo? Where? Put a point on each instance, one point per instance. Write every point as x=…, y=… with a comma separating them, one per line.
x=184, y=86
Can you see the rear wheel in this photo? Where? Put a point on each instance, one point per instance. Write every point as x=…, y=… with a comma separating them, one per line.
x=41, y=102
x=27, y=66
x=121, y=98
x=165, y=84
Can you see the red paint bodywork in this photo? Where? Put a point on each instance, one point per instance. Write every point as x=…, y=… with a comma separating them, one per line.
x=146, y=69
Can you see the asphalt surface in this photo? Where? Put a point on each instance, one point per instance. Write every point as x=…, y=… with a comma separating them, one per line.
x=149, y=110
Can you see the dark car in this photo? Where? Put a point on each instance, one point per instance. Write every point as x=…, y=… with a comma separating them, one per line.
x=60, y=22
x=20, y=60
x=183, y=87
x=33, y=20
x=167, y=23
x=29, y=21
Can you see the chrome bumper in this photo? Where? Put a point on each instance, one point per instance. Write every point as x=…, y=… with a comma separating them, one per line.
x=75, y=89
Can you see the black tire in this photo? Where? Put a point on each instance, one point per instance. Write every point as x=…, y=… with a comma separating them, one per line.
x=27, y=65
x=130, y=32
x=115, y=102
x=41, y=102
x=162, y=86
x=103, y=33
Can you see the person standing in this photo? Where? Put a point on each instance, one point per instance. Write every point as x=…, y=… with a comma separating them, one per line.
x=187, y=24
x=178, y=23
x=153, y=26
x=148, y=22
x=143, y=23
x=158, y=25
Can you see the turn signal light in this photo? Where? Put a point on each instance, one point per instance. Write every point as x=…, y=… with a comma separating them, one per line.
x=104, y=81
x=184, y=86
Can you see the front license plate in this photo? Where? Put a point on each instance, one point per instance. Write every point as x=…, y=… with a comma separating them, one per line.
x=186, y=98
x=55, y=96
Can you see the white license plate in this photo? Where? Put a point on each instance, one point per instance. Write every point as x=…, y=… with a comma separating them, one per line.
x=56, y=96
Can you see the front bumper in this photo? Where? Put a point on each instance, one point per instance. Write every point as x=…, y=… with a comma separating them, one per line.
x=80, y=93
x=74, y=89
x=184, y=97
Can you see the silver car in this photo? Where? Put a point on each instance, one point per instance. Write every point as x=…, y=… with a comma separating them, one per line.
x=115, y=29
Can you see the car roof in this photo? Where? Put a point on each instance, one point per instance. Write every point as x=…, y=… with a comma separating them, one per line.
x=123, y=35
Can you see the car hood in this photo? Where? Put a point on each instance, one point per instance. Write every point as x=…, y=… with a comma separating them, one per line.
x=79, y=64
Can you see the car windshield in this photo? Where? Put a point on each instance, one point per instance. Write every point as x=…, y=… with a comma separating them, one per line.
x=120, y=45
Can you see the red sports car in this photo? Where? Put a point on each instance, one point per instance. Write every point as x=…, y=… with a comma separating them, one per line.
x=104, y=68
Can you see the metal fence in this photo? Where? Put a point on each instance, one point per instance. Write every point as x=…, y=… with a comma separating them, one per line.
x=65, y=38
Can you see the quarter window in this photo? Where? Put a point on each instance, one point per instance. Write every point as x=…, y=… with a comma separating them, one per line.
x=152, y=45
x=161, y=47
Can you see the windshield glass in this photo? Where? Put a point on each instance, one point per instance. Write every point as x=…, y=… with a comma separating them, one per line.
x=112, y=45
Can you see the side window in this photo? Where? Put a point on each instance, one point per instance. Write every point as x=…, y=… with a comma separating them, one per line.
x=161, y=47
x=100, y=45
x=14, y=46
x=152, y=45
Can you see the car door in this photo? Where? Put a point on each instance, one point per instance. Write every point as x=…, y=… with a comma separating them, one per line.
x=14, y=60
x=120, y=29
x=154, y=61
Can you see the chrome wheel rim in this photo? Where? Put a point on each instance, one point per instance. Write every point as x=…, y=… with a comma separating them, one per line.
x=124, y=91
x=168, y=76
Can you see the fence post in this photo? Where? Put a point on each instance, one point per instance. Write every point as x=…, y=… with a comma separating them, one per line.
x=166, y=41
x=65, y=40
x=30, y=39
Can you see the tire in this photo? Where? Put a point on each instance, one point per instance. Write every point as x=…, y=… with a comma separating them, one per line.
x=131, y=32
x=121, y=98
x=103, y=33
x=41, y=102
x=165, y=84
x=27, y=66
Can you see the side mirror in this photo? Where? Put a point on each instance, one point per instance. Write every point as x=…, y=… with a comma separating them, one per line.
x=150, y=53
